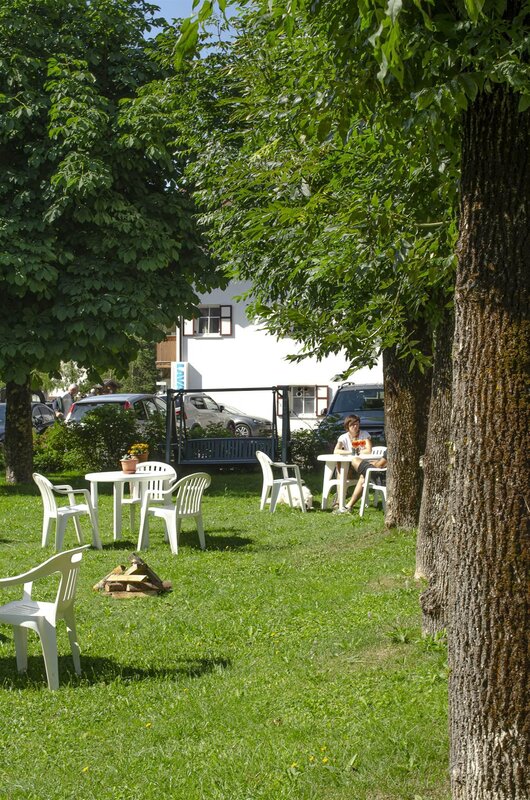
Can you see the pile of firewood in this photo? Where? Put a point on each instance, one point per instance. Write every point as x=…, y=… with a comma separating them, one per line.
x=138, y=580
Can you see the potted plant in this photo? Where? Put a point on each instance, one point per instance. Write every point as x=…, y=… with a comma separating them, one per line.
x=128, y=463
x=140, y=451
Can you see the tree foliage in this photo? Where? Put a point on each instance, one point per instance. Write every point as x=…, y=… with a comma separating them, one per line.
x=97, y=240
x=297, y=197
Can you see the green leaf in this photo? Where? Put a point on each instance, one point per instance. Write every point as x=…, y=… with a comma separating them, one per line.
x=474, y=9
x=524, y=102
x=393, y=8
x=470, y=84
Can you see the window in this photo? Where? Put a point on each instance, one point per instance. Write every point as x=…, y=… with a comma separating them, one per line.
x=139, y=410
x=213, y=321
x=306, y=401
x=303, y=400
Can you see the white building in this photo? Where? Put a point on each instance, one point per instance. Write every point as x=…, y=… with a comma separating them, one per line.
x=223, y=349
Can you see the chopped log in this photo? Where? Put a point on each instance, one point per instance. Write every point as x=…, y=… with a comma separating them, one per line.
x=139, y=562
x=119, y=570
x=136, y=580
x=126, y=595
x=126, y=578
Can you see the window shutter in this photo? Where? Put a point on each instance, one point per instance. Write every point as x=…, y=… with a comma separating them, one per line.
x=279, y=405
x=226, y=320
x=322, y=395
x=188, y=327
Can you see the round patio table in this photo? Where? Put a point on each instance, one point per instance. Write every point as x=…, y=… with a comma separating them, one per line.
x=341, y=482
x=118, y=479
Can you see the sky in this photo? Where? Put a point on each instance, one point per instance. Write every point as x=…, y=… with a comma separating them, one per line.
x=174, y=8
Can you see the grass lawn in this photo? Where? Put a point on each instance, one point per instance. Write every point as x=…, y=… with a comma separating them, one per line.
x=287, y=662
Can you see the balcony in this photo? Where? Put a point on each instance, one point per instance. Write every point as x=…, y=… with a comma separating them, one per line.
x=166, y=352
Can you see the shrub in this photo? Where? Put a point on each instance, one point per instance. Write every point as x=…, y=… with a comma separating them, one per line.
x=154, y=433
x=306, y=444
x=103, y=436
x=215, y=430
x=54, y=450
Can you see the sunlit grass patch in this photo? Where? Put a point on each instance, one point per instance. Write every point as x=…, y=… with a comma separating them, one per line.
x=287, y=662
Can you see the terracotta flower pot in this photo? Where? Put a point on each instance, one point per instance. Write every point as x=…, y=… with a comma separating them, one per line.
x=129, y=465
x=142, y=457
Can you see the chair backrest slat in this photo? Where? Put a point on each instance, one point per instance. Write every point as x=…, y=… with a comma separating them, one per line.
x=188, y=493
x=266, y=466
x=157, y=485
x=46, y=490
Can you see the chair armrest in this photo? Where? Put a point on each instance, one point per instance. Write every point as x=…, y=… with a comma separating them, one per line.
x=286, y=467
x=63, y=488
x=373, y=470
x=70, y=493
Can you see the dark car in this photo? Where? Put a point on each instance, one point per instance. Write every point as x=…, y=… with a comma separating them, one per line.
x=41, y=418
x=143, y=405
x=363, y=400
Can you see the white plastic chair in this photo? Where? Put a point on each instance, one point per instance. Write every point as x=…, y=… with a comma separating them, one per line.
x=62, y=513
x=370, y=484
x=155, y=486
x=273, y=486
x=42, y=617
x=188, y=492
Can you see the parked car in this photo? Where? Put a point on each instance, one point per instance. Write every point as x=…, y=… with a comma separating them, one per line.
x=41, y=418
x=201, y=410
x=248, y=425
x=143, y=405
x=365, y=401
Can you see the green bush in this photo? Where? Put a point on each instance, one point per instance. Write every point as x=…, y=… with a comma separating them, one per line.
x=154, y=433
x=307, y=444
x=215, y=430
x=104, y=436
x=98, y=442
x=54, y=450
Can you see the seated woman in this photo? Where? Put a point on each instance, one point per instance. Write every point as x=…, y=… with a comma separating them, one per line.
x=355, y=440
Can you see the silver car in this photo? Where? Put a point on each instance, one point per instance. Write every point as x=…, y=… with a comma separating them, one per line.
x=202, y=410
x=248, y=425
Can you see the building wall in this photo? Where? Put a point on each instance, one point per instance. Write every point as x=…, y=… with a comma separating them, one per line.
x=251, y=357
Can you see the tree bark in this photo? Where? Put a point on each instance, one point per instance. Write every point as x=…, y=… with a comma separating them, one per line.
x=19, y=433
x=431, y=544
x=488, y=558
x=407, y=393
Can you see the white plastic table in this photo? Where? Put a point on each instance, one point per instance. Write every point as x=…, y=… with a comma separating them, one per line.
x=331, y=462
x=118, y=479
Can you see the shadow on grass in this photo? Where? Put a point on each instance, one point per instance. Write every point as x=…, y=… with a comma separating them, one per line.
x=214, y=541
x=97, y=670
x=19, y=489
x=120, y=544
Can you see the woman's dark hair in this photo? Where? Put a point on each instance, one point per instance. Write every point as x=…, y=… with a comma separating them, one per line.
x=348, y=421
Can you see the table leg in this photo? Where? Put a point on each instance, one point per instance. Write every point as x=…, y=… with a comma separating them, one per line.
x=143, y=536
x=328, y=484
x=118, y=497
x=96, y=540
x=343, y=486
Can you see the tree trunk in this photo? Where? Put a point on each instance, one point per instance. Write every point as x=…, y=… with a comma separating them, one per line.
x=19, y=433
x=488, y=557
x=407, y=394
x=431, y=545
